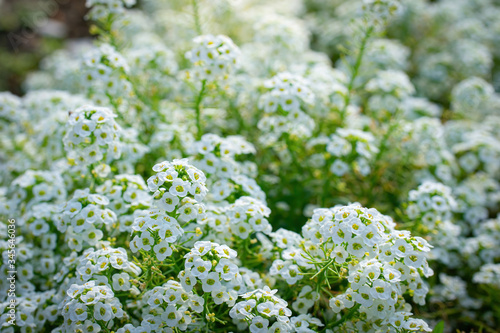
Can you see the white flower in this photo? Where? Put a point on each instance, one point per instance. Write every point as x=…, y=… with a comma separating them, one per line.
x=202, y=247
x=356, y=246
x=187, y=212
x=259, y=325
x=336, y=304
x=168, y=202
x=171, y=316
x=339, y=168
x=341, y=234
x=214, y=57
x=78, y=312
x=225, y=252
x=201, y=268
x=92, y=235
x=179, y=187
x=241, y=230
x=169, y=232
x=401, y=247
x=162, y=250
x=89, y=326
x=103, y=312
x=173, y=296
x=414, y=259
x=226, y=269
x=121, y=281
x=154, y=182
x=86, y=271
x=211, y=282
x=39, y=227
x=197, y=302
x=363, y=296
x=198, y=190
x=339, y=254
x=146, y=241
x=220, y=295
x=381, y=290
x=187, y=279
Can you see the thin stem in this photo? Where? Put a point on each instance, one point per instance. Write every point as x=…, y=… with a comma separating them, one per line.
x=206, y=311
x=323, y=268
x=295, y=161
x=197, y=107
x=196, y=14
x=375, y=175
x=241, y=121
x=479, y=324
x=355, y=72
x=348, y=316
x=95, y=180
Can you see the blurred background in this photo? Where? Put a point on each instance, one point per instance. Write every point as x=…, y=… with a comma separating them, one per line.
x=31, y=29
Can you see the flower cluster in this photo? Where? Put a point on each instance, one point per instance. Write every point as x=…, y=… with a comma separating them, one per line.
x=388, y=87
x=488, y=274
x=213, y=57
x=85, y=218
x=309, y=103
x=107, y=266
x=418, y=107
x=169, y=306
x=103, y=70
x=178, y=190
x=9, y=106
x=282, y=35
x=284, y=105
x=479, y=152
x=24, y=254
x=262, y=311
x=88, y=306
x=425, y=139
x=345, y=152
x=175, y=181
x=101, y=9
x=49, y=111
x=379, y=263
x=127, y=194
x=227, y=178
x=34, y=187
x=482, y=247
x=92, y=136
x=39, y=222
x=244, y=217
x=31, y=312
x=431, y=203
x=351, y=151
x=212, y=266
x=473, y=94
x=155, y=232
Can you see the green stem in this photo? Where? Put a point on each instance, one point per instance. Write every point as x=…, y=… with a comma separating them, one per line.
x=196, y=17
x=206, y=311
x=327, y=185
x=479, y=324
x=241, y=121
x=355, y=72
x=323, y=268
x=94, y=177
x=348, y=316
x=375, y=174
x=198, y=109
x=292, y=152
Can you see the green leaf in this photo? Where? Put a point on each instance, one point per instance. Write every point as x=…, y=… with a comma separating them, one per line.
x=439, y=328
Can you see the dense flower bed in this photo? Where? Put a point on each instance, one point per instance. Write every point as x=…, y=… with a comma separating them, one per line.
x=245, y=165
